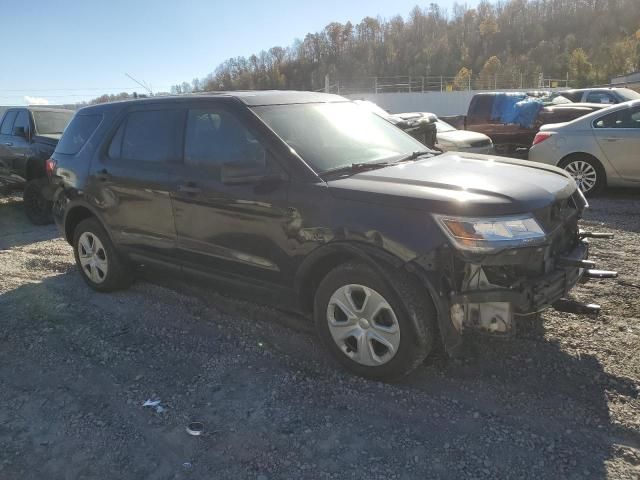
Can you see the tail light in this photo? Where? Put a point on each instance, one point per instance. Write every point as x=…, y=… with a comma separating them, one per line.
x=541, y=137
x=50, y=166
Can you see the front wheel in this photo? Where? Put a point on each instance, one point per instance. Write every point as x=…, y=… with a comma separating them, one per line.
x=371, y=328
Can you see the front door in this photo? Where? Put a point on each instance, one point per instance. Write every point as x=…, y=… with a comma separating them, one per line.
x=230, y=225
x=129, y=184
x=6, y=142
x=21, y=147
x=618, y=135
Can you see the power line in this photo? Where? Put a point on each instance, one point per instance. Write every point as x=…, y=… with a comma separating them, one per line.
x=70, y=89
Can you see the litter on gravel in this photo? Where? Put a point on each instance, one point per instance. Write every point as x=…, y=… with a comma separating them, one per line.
x=155, y=404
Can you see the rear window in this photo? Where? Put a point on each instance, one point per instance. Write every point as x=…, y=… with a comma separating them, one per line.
x=51, y=123
x=77, y=133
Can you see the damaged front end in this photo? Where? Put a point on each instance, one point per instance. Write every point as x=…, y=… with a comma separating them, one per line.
x=505, y=267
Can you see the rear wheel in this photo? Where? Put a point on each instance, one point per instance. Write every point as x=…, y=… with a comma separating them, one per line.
x=587, y=172
x=371, y=328
x=101, y=266
x=36, y=206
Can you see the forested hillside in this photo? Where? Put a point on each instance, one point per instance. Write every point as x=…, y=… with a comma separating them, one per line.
x=587, y=40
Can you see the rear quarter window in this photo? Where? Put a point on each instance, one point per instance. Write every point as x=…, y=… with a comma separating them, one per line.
x=77, y=133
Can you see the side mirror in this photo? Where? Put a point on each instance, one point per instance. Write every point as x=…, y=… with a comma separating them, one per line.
x=246, y=173
x=20, y=132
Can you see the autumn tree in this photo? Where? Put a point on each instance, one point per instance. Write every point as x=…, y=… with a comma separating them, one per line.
x=580, y=68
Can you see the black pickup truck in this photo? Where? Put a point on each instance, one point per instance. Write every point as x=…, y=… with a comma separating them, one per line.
x=28, y=137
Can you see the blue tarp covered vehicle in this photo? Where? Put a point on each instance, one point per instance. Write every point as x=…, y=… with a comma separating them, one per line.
x=516, y=108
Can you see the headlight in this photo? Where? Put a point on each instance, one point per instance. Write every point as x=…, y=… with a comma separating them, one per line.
x=491, y=234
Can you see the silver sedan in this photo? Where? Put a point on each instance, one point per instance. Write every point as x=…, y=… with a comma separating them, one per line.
x=599, y=149
x=452, y=139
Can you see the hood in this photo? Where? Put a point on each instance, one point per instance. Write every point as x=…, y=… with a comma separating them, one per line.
x=49, y=138
x=460, y=183
x=461, y=137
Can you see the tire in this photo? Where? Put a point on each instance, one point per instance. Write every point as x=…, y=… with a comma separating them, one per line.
x=587, y=172
x=36, y=206
x=101, y=267
x=405, y=320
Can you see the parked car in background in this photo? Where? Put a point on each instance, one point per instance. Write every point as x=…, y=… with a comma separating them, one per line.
x=512, y=119
x=420, y=125
x=28, y=137
x=391, y=247
x=599, y=149
x=607, y=95
x=452, y=139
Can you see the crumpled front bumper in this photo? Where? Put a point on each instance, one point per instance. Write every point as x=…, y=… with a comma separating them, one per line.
x=533, y=294
x=485, y=295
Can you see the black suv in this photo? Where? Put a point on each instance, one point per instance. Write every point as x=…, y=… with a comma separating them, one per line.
x=389, y=246
x=28, y=136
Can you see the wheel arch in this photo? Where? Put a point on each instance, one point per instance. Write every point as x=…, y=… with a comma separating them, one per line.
x=76, y=214
x=577, y=155
x=321, y=261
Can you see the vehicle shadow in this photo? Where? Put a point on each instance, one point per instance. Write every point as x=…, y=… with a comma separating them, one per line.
x=15, y=228
x=537, y=393
x=615, y=206
x=522, y=408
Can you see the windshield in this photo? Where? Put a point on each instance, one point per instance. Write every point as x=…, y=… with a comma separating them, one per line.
x=48, y=123
x=329, y=136
x=442, y=127
x=556, y=99
x=372, y=107
x=628, y=94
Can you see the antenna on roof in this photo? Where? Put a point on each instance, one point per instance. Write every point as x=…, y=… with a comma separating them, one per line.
x=143, y=84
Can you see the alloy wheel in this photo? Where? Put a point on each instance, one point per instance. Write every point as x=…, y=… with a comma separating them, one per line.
x=583, y=173
x=93, y=257
x=363, y=325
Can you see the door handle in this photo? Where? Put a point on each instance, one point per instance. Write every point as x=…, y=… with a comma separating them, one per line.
x=612, y=139
x=9, y=144
x=103, y=175
x=189, y=188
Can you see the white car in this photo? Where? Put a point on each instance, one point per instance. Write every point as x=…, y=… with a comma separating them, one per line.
x=449, y=138
x=599, y=149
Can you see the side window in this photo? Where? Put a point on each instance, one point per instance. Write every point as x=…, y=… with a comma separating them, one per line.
x=149, y=136
x=7, y=123
x=22, y=120
x=215, y=137
x=600, y=97
x=626, y=118
x=634, y=117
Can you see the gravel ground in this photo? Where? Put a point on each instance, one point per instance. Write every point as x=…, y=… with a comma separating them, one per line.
x=559, y=401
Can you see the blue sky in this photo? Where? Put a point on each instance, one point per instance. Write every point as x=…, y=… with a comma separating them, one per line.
x=65, y=51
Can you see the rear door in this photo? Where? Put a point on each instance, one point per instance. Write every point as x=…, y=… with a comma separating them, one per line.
x=130, y=180
x=233, y=229
x=618, y=134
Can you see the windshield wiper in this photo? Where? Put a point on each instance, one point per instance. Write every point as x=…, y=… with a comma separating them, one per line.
x=364, y=166
x=358, y=167
x=415, y=155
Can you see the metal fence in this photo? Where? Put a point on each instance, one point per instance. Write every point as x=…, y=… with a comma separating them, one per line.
x=441, y=83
